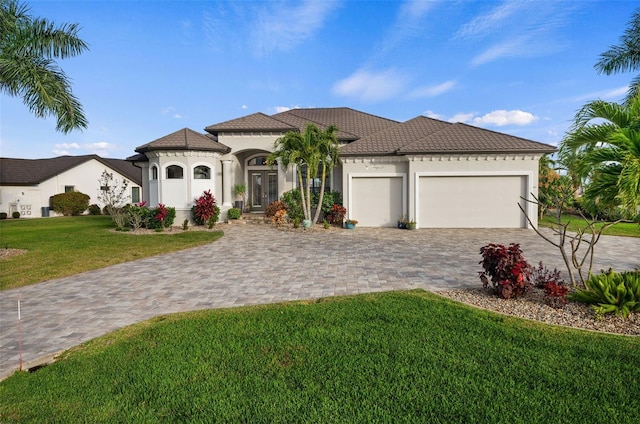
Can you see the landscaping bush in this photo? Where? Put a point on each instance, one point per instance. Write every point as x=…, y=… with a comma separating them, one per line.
x=205, y=210
x=336, y=214
x=293, y=201
x=233, y=213
x=541, y=276
x=555, y=294
x=3, y=215
x=611, y=292
x=15, y=215
x=138, y=215
x=509, y=271
x=71, y=203
x=329, y=199
x=95, y=210
x=279, y=218
x=161, y=217
x=274, y=207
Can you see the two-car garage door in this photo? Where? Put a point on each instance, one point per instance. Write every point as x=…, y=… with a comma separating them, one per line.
x=486, y=201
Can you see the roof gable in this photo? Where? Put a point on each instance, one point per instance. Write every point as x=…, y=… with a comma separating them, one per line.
x=255, y=122
x=184, y=139
x=35, y=171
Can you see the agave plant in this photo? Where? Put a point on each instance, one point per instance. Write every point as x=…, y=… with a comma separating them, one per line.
x=611, y=292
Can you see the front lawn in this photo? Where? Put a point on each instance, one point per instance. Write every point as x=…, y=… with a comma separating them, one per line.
x=625, y=229
x=386, y=357
x=62, y=246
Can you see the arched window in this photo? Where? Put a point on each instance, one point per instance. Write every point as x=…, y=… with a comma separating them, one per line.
x=259, y=161
x=201, y=173
x=174, y=172
x=154, y=172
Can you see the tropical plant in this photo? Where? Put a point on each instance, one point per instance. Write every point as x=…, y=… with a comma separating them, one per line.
x=606, y=136
x=552, y=187
x=233, y=213
x=71, y=203
x=161, y=217
x=314, y=150
x=274, y=207
x=137, y=215
x=509, y=271
x=611, y=292
x=28, y=47
x=206, y=210
x=279, y=218
x=336, y=215
x=555, y=294
x=624, y=56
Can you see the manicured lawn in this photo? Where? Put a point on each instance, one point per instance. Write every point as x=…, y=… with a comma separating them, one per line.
x=387, y=357
x=625, y=229
x=63, y=246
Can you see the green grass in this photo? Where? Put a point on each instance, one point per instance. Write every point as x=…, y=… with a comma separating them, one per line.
x=387, y=357
x=58, y=247
x=624, y=229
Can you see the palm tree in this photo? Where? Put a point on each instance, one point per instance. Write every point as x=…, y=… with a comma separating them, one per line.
x=624, y=56
x=27, y=69
x=312, y=150
x=606, y=136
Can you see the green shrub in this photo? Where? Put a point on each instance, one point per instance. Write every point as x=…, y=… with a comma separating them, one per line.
x=15, y=215
x=161, y=217
x=71, y=203
x=611, y=292
x=3, y=215
x=138, y=215
x=293, y=201
x=233, y=213
x=95, y=210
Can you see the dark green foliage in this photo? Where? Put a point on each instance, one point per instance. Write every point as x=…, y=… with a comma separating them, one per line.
x=161, y=217
x=3, y=215
x=95, y=210
x=233, y=213
x=71, y=203
x=611, y=292
x=15, y=215
x=293, y=201
x=406, y=357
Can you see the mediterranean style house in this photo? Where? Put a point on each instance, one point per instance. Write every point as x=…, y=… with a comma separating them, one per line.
x=27, y=185
x=435, y=173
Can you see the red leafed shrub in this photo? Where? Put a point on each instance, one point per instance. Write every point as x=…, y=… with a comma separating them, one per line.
x=541, y=275
x=337, y=214
x=510, y=273
x=274, y=207
x=205, y=209
x=555, y=294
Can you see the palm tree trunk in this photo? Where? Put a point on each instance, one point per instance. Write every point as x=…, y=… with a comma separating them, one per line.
x=302, y=196
x=321, y=197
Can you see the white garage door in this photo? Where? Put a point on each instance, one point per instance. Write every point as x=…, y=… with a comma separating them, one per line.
x=376, y=201
x=471, y=201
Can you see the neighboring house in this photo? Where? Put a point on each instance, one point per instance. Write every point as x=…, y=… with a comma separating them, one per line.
x=433, y=172
x=27, y=185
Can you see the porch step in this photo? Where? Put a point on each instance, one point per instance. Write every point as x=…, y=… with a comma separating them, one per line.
x=251, y=218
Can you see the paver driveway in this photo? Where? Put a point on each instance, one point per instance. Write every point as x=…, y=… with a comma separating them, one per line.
x=259, y=264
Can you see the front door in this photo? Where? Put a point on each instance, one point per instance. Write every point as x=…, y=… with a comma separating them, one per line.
x=263, y=189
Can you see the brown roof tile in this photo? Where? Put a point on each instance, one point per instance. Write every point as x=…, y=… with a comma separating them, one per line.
x=184, y=139
x=465, y=138
x=255, y=122
x=34, y=171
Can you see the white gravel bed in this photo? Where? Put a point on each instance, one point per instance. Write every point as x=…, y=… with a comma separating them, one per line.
x=532, y=307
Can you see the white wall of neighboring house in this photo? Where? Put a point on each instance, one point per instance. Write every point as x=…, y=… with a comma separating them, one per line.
x=30, y=200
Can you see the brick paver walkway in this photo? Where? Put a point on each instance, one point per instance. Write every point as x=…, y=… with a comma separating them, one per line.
x=259, y=264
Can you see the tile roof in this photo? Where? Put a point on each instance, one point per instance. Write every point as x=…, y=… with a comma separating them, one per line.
x=422, y=135
x=353, y=124
x=35, y=171
x=184, y=139
x=255, y=122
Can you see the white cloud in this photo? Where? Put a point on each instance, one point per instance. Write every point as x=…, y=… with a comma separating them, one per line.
x=409, y=22
x=613, y=94
x=509, y=48
x=67, y=146
x=244, y=107
x=432, y=114
x=284, y=26
x=461, y=117
x=503, y=117
x=369, y=86
x=433, y=90
x=177, y=116
x=487, y=22
x=282, y=109
x=100, y=148
x=61, y=152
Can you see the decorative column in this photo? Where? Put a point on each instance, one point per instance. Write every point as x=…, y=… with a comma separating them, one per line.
x=226, y=183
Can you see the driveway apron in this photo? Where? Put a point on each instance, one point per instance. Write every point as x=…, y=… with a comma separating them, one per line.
x=257, y=264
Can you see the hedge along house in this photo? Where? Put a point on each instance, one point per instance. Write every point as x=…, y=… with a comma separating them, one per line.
x=433, y=172
x=27, y=185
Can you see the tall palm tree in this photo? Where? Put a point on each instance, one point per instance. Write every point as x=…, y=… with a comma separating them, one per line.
x=624, y=56
x=606, y=135
x=312, y=150
x=27, y=69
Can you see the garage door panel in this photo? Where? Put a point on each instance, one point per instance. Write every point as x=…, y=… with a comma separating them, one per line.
x=471, y=201
x=376, y=201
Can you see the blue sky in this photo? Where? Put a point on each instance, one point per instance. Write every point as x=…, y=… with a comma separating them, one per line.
x=154, y=67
